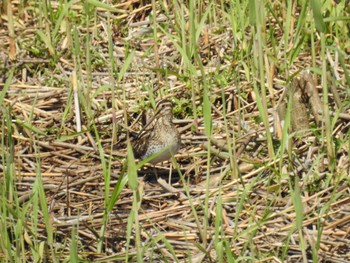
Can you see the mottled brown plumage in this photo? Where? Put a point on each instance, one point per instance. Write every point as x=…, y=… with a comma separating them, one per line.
x=162, y=139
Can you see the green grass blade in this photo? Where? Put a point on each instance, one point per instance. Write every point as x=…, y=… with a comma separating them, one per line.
x=316, y=10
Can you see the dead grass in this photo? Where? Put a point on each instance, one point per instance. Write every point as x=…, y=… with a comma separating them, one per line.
x=258, y=212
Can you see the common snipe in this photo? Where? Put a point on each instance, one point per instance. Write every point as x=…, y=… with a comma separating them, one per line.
x=159, y=137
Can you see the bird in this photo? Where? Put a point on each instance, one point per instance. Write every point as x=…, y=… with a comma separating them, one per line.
x=161, y=140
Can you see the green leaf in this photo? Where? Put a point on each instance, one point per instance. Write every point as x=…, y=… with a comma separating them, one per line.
x=126, y=65
x=252, y=13
x=73, y=253
x=116, y=191
x=132, y=169
x=101, y=89
x=316, y=10
x=207, y=113
x=63, y=13
x=6, y=87
x=105, y=6
x=47, y=40
x=30, y=127
x=71, y=136
x=298, y=206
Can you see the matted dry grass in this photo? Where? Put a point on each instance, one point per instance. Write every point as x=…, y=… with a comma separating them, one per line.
x=257, y=216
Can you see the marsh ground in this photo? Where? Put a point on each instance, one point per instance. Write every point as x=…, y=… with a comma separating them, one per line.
x=75, y=77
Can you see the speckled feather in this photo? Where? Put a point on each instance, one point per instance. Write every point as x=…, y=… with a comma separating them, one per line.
x=161, y=137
